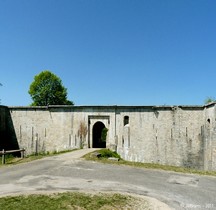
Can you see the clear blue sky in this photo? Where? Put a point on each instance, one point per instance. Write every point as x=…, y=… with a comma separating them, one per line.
x=106, y=52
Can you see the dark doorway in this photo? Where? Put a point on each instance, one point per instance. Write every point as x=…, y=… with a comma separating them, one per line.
x=97, y=134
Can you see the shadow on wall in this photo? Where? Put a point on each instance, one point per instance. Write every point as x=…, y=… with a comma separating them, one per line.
x=195, y=159
x=8, y=138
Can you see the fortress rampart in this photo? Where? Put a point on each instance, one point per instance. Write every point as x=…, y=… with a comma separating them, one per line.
x=172, y=135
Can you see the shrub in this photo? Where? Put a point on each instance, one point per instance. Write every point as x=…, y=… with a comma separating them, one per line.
x=106, y=153
x=104, y=134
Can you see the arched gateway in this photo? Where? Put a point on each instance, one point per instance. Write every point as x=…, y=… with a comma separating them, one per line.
x=98, y=141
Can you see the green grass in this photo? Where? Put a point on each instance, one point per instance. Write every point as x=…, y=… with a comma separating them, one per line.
x=106, y=153
x=104, y=159
x=8, y=157
x=13, y=160
x=67, y=200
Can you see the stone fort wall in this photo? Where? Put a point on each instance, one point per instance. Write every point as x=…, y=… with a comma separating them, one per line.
x=172, y=135
x=3, y=123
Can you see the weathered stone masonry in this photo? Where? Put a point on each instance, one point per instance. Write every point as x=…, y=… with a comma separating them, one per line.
x=173, y=135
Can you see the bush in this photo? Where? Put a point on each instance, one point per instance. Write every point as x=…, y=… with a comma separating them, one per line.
x=104, y=134
x=106, y=153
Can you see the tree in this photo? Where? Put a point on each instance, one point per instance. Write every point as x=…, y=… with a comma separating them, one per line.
x=47, y=89
x=209, y=100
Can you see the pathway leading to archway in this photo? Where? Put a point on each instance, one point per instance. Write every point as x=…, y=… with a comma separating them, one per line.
x=70, y=172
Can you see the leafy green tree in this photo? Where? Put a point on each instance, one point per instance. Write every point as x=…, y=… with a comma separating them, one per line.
x=209, y=100
x=47, y=89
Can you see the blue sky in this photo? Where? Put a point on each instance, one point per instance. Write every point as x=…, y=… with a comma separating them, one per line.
x=106, y=52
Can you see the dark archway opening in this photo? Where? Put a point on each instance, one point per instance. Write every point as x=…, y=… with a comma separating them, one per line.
x=97, y=134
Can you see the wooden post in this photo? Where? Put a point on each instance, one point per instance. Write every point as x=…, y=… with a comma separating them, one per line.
x=22, y=153
x=36, y=147
x=3, y=157
x=36, y=144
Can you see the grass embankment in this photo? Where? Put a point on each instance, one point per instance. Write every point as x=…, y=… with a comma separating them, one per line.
x=105, y=153
x=13, y=160
x=103, y=156
x=69, y=200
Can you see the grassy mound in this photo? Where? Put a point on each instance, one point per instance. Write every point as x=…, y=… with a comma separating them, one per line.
x=67, y=200
x=106, y=153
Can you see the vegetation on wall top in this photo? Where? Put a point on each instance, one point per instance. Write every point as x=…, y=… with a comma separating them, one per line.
x=209, y=100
